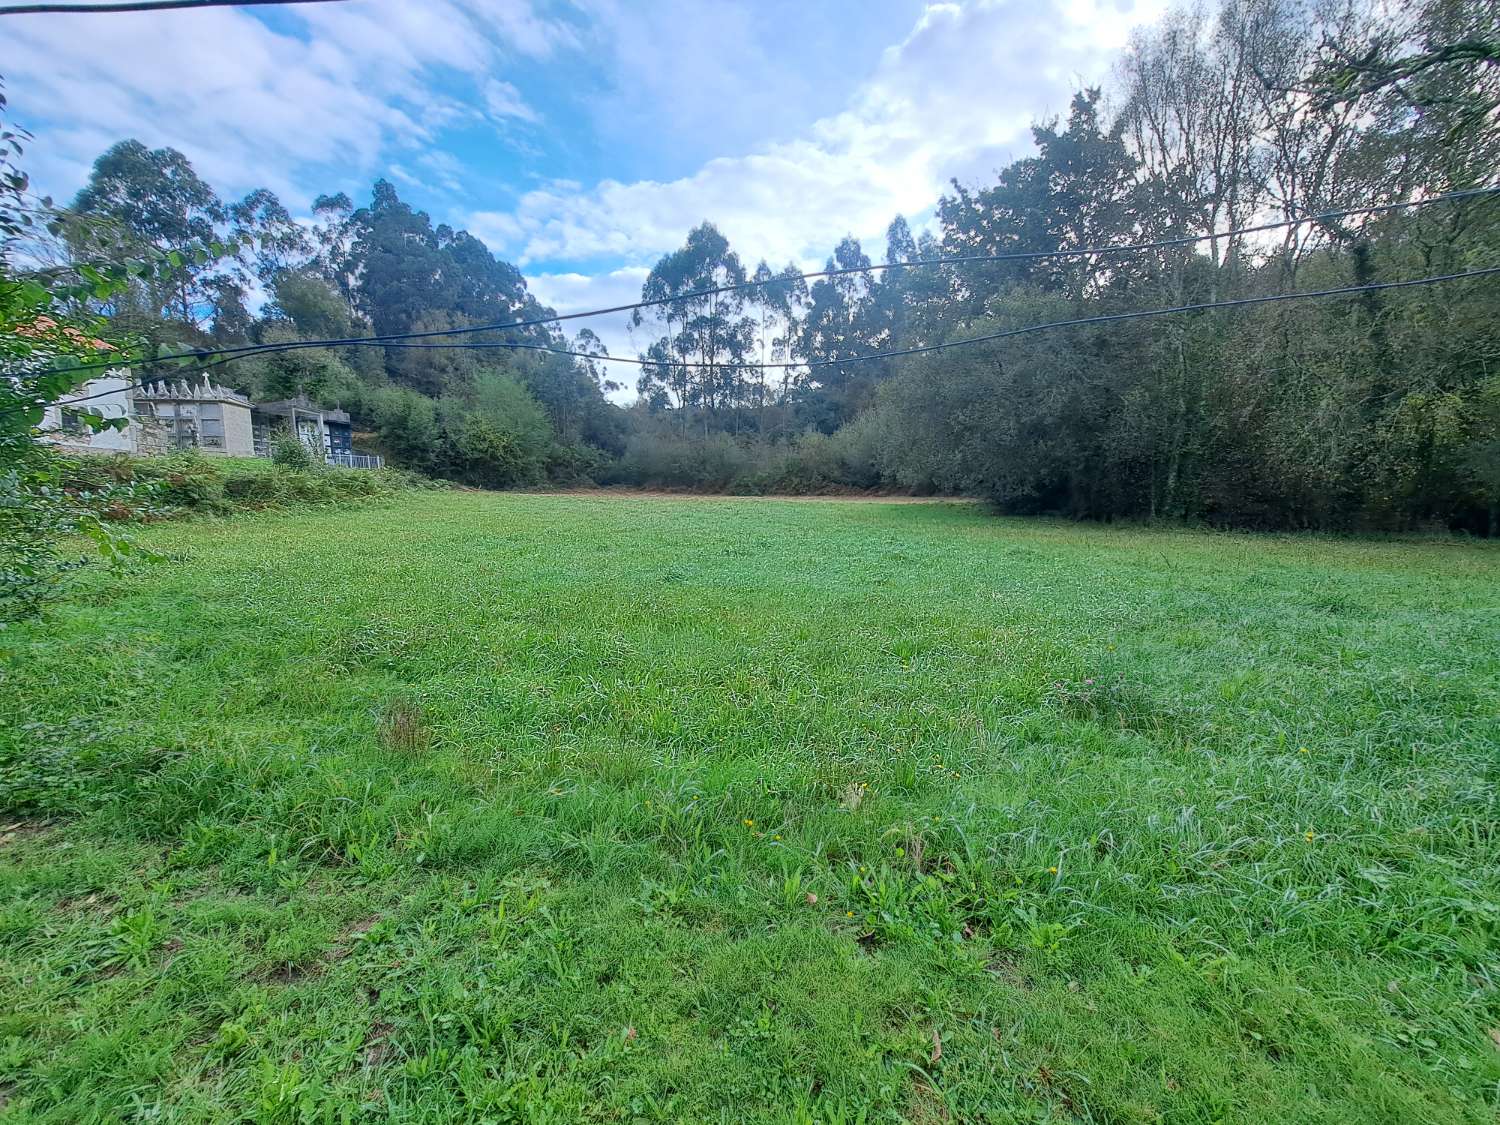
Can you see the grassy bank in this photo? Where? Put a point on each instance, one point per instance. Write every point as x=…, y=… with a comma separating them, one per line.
x=562, y=808
x=191, y=483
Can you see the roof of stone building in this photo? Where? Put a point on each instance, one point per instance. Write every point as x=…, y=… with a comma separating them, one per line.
x=285, y=406
x=185, y=390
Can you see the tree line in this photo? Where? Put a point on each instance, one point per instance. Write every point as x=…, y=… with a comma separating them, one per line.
x=1380, y=411
x=489, y=419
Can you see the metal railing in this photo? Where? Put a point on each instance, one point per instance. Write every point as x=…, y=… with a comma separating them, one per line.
x=355, y=460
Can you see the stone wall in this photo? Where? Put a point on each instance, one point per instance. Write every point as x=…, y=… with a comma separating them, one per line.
x=152, y=436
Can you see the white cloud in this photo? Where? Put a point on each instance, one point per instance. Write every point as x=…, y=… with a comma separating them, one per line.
x=253, y=106
x=502, y=100
x=436, y=171
x=444, y=169
x=403, y=175
x=577, y=292
x=517, y=23
x=729, y=76
x=954, y=98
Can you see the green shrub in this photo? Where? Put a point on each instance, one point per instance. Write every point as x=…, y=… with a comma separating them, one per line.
x=188, y=483
x=47, y=500
x=290, y=452
x=810, y=463
x=576, y=464
x=714, y=463
x=476, y=451
x=292, y=488
x=188, y=480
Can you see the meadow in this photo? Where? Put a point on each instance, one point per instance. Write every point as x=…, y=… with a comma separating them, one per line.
x=569, y=808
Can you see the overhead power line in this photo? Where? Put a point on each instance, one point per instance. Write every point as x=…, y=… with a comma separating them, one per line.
x=963, y=259
x=143, y=6
x=922, y=349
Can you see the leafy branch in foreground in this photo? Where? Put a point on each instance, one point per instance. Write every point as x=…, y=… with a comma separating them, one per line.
x=47, y=331
x=36, y=511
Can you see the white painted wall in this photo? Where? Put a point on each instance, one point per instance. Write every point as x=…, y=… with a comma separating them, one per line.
x=113, y=401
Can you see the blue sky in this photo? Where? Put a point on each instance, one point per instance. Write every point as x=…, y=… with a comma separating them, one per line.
x=579, y=138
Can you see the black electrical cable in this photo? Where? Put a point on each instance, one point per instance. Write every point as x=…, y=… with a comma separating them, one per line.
x=199, y=369
x=922, y=349
x=1105, y=318
x=143, y=6
x=1020, y=256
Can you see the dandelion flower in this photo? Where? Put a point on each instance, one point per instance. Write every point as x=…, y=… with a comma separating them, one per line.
x=1304, y=750
x=848, y=914
x=749, y=823
x=1051, y=871
x=1309, y=835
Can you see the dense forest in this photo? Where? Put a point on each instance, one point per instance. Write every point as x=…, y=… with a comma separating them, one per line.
x=1379, y=411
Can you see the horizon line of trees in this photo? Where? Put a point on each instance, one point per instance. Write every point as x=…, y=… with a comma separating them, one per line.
x=1377, y=412
x=1380, y=411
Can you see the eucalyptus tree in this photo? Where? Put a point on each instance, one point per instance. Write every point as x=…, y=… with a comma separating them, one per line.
x=594, y=352
x=705, y=334
x=152, y=201
x=909, y=303
x=333, y=234
x=839, y=325
x=779, y=299
x=271, y=238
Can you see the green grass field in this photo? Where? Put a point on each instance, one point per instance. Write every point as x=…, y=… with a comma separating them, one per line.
x=585, y=808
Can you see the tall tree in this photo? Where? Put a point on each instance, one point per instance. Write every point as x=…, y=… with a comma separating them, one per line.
x=693, y=364
x=154, y=200
x=269, y=236
x=841, y=322
x=778, y=299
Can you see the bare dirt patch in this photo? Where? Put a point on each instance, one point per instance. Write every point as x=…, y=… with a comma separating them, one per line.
x=19, y=831
x=349, y=936
x=378, y=1047
x=817, y=498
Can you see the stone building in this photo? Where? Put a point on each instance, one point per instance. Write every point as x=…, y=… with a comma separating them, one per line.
x=198, y=415
x=328, y=433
